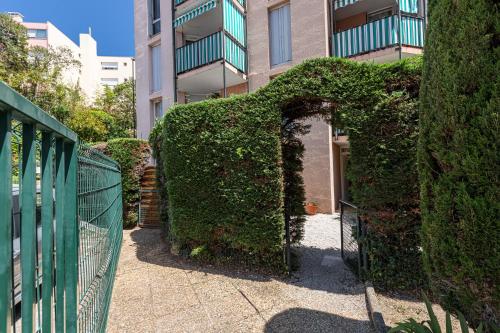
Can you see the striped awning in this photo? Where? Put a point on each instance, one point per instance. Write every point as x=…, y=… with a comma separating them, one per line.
x=407, y=6
x=343, y=3
x=209, y=5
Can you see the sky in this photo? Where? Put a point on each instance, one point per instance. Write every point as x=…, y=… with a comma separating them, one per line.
x=112, y=21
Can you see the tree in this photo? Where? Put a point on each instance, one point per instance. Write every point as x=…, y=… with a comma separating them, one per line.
x=13, y=50
x=119, y=102
x=459, y=158
x=37, y=72
x=94, y=125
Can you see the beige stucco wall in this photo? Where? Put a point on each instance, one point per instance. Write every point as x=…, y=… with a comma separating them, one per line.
x=143, y=43
x=310, y=39
x=309, y=27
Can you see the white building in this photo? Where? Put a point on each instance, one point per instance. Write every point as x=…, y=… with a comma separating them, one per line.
x=95, y=72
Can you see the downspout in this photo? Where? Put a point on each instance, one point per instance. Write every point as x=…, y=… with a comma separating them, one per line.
x=175, y=50
x=333, y=26
x=246, y=47
x=223, y=50
x=400, y=37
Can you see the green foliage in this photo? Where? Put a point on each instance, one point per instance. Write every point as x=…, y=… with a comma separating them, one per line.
x=156, y=143
x=459, y=158
x=133, y=156
x=229, y=165
x=119, y=102
x=432, y=325
x=94, y=125
x=13, y=49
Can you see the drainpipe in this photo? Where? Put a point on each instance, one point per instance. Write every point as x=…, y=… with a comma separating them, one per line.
x=223, y=51
x=400, y=36
x=246, y=47
x=175, y=50
x=333, y=26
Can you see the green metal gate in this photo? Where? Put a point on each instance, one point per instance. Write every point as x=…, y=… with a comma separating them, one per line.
x=60, y=224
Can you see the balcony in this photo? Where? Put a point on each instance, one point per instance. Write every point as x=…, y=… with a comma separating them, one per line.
x=200, y=66
x=379, y=35
x=218, y=46
x=180, y=2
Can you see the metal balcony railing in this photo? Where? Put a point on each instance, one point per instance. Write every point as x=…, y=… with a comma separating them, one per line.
x=378, y=35
x=210, y=49
x=62, y=217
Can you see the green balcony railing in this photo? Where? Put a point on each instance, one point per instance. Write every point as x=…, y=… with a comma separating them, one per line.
x=378, y=35
x=60, y=224
x=210, y=49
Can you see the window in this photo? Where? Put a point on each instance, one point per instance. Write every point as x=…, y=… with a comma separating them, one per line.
x=37, y=33
x=109, y=82
x=109, y=66
x=154, y=11
x=280, y=36
x=158, y=109
x=379, y=14
x=156, y=68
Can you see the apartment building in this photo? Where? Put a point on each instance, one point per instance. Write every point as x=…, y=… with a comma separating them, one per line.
x=190, y=50
x=95, y=71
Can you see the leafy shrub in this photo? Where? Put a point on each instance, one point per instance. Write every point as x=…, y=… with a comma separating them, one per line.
x=459, y=158
x=133, y=156
x=94, y=125
x=155, y=141
x=227, y=167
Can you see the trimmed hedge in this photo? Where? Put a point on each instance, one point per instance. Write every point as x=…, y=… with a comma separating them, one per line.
x=133, y=156
x=459, y=158
x=227, y=182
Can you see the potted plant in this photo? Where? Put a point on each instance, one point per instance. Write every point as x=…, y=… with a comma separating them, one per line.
x=312, y=208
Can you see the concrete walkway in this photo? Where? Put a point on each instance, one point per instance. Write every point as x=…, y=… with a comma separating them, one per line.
x=157, y=292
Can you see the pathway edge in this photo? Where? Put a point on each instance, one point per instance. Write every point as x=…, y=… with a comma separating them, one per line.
x=374, y=312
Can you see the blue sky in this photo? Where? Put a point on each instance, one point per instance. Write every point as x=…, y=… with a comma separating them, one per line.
x=112, y=21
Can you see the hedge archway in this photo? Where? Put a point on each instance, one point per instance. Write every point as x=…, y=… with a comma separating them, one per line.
x=222, y=161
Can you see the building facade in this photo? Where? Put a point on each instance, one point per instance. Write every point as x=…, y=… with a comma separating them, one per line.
x=95, y=71
x=191, y=50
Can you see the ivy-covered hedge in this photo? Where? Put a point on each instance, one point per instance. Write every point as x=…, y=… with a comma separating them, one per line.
x=459, y=157
x=226, y=179
x=133, y=156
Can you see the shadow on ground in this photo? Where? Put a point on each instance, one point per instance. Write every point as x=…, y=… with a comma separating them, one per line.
x=320, y=269
x=300, y=320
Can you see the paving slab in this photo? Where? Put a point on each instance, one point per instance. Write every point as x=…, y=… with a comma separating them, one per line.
x=158, y=292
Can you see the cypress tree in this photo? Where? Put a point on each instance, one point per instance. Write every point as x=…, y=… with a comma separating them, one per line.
x=459, y=158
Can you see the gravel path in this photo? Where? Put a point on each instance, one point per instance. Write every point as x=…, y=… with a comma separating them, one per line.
x=157, y=292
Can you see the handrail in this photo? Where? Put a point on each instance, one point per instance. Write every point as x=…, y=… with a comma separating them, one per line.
x=25, y=111
x=378, y=34
x=74, y=183
x=348, y=204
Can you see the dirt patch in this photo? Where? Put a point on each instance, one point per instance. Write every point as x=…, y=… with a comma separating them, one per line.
x=398, y=307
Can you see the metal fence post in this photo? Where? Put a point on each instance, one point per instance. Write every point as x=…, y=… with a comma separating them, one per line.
x=5, y=220
x=71, y=236
x=28, y=229
x=47, y=229
x=341, y=229
x=60, y=175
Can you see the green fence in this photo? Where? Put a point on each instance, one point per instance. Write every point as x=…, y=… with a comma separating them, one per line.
x=60, y=224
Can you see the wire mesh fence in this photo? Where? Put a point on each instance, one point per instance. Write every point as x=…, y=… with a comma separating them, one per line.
x=60, y=224
x=100, y=235
x=352, y=231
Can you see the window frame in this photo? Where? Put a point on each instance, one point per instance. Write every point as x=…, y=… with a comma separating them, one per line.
x=270, y=35
x=154, y=18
